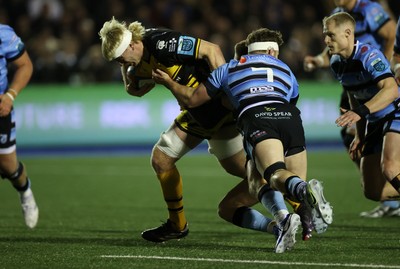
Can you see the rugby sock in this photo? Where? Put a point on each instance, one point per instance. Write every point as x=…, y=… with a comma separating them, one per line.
x=396, y=184
x=25, y=187
x=246, y=217
x=294, y=186
x=391, y=204
x=273, y=201
x=171, y=185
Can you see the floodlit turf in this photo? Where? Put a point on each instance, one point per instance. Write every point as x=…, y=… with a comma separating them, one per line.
x=93, y=209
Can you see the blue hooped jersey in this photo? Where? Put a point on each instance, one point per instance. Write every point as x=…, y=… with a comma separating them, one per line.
x=360, y=74
x=11, y=48
x=254, y=80
x=369, y=17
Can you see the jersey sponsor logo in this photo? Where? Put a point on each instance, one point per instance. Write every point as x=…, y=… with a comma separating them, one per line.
x=161, y=44
x=378, y=65
x=273, y=114
x=172, y=45
x=261, y=89
x=186, y=45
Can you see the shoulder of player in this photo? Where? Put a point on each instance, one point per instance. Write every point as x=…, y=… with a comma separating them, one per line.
x=366, y=52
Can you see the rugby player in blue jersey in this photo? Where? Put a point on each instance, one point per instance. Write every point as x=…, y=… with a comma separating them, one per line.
x=374, y=26
x=12, y=51
x=263, y=91
x=365, y=75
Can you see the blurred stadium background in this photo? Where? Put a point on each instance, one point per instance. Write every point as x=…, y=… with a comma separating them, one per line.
x=76, y=98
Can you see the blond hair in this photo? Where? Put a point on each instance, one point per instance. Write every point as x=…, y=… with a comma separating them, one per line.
x=111, y=35
x=340, y=18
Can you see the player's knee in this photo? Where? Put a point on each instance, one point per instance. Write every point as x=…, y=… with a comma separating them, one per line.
x=168, y=149
x=389, y=169
x=15, y=175
x=372, y=195
x=272, y=169
x=224, y=211
x=160, y=161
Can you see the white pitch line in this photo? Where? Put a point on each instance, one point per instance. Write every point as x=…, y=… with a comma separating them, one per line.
x=354, y=265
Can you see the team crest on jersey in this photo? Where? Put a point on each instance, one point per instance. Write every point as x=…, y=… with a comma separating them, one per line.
x=378, y=65
x=186, y=45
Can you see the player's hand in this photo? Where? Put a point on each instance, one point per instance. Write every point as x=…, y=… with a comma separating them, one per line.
x=310, y=63
x=139, y=91
x=397, y=76
x=348, y=118
x=160, y=77
x=355, y=149
x=5, y=105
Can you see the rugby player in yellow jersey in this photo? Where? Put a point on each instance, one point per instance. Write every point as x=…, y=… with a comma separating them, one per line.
x=189, y=61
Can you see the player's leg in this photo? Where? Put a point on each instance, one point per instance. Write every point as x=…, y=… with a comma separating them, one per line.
x=297, y=164
x=374, y=164
x=273, y=200
x=172, y=145
x=227, y=146
x=391, y=163
x=235, y=207
x=15, y=171
x=274, y=169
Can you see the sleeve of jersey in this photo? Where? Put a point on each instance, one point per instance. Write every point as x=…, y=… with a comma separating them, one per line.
x=13, y=46
x=377, y=65
x=295, y=95
x=376, y=17
x=215, y=82
x=188, y=48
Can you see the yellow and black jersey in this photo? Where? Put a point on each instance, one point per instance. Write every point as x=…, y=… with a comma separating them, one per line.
x=177, y=55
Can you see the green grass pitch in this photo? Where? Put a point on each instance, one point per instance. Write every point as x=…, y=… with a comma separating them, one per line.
x=93, y=209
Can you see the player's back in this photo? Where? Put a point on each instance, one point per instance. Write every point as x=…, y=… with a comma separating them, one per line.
x=258, y=77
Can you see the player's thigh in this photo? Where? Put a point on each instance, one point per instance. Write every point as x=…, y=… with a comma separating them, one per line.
x=372, y=178
x=8, y=163
x=391, y=155
x=238, y=196
x=297, y=164
x=268, y=152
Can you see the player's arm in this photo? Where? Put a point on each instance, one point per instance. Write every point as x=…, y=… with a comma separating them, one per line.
x=133, y=87
x=388, y=93
x=395, y=59
x=388, y=33
x=321, y=60
x=22, y=75
x=211, y=53
x=395, y=64
x=187, y=96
